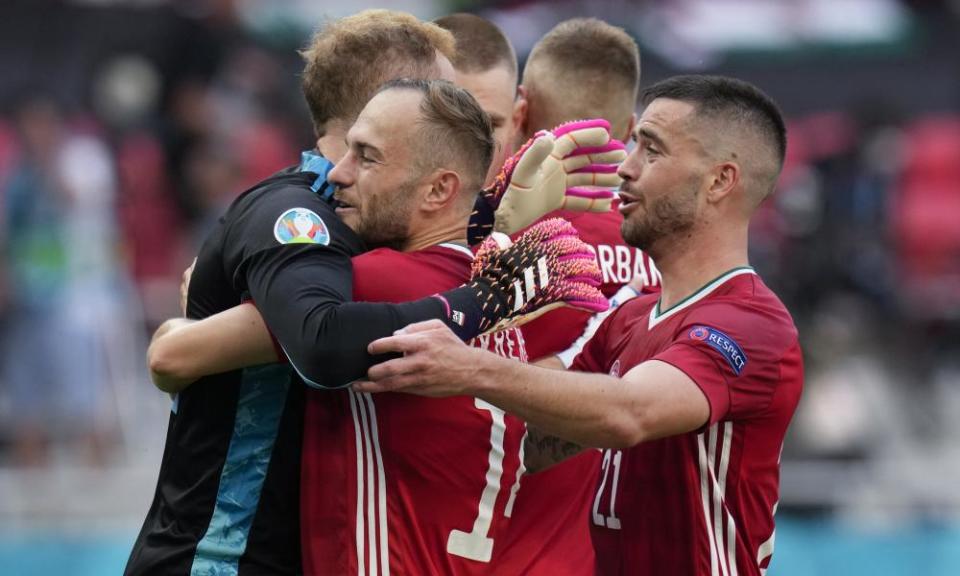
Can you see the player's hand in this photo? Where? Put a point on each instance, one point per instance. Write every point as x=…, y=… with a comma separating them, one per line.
x=434, y=362
x=185, y=287
x=573, y=166
x=547, y=267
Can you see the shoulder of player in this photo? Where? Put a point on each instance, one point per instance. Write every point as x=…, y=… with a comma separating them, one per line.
x=387, y=261
x=756, y=319
x=638, y=306
x=751, y=294
x=281, y=189
x=282, y=197
x=379, y=260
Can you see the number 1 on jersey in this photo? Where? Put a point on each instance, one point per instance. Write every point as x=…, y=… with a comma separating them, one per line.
x=476, y=544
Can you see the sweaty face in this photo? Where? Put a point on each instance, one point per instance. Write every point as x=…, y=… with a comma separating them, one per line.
x=662, y=178
x=495, y=90
x=377, y=179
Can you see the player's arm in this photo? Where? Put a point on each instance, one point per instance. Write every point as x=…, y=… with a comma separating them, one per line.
x=183, y=350
x=540, y=451
x=652, y=400
x=303, y=291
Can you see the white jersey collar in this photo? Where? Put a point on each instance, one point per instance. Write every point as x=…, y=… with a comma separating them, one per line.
x=656, y=316
x=458, y=248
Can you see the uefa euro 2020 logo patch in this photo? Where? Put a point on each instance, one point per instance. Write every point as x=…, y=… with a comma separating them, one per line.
x=725, y=345
x=301, y=226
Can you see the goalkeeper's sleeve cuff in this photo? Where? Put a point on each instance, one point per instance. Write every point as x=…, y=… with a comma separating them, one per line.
x=456, y=319
x=472, y=309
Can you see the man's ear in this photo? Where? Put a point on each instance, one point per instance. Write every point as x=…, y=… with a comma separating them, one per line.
x=444, y=188
x=724, y=178
x=631, y=125
x=520, y=115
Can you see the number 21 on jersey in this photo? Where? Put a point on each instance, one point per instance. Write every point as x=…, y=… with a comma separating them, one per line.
x=611, y=479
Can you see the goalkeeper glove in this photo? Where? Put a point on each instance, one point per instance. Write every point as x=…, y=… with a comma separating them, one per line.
x=548, y=266
x=555, y=170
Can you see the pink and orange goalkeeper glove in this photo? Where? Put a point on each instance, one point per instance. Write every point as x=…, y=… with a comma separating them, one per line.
x=547, y=267
x=573, y=166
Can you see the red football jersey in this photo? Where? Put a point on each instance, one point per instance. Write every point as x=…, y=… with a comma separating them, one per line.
x=399, y=484
x=700, y=503
x=549, y=530
x=619, y=264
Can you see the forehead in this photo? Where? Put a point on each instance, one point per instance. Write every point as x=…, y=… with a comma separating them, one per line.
x=666, y=117
x=388, y=115
x=494, y=89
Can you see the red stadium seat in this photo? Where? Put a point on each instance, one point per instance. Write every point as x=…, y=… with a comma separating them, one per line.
x=925, y=217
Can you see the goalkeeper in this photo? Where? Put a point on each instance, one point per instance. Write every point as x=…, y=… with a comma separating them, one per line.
x=306, y=312
x=426, y=220
x=512, y=283
x=225, y=498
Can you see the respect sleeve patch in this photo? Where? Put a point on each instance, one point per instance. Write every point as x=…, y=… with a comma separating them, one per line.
x=301, y=226
x=725, y=345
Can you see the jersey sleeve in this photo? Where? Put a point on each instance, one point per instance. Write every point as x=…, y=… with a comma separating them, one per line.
x=592, y=357
x=734, y=353
x=290, y=252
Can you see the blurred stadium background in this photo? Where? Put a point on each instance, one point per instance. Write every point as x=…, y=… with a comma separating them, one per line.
x=126, y=126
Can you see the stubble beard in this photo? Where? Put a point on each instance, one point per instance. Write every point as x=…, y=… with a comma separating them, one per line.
x=665, y=218
x=387, y=222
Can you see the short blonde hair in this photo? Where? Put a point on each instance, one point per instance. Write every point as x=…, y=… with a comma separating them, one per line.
x=481, y=45
x=349, y=59
x=583, y=68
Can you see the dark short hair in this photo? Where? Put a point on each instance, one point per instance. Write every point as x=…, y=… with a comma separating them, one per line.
x=454, y=130
x=481, y=45
x=727, y=99
x=348, y=59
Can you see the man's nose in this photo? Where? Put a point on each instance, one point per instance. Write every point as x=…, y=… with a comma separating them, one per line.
x=342, y=173
x=627, y=169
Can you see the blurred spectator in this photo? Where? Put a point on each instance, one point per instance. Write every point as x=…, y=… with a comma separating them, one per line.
x=151, y=225
x=59, y=256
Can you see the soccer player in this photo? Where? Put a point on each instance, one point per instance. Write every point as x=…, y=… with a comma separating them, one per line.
x=402, y=483
x=397, y=484
x=485, y=64
x=690, y=391
x=231, y=459
x=550, y=524
x=226, y=495
x=561, y=83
